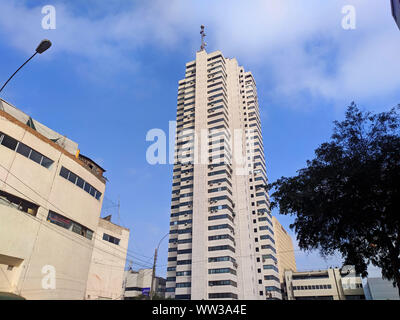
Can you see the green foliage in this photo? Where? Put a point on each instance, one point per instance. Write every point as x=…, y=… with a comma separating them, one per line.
x=347, y=199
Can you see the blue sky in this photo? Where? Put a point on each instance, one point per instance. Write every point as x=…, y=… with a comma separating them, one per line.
x=112, y=74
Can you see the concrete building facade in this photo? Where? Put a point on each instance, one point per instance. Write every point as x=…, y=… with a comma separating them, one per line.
x=106, y=273
x=380, y=289
x=284, y=250
x=330, y=284
x=50, y=203
x=139, y=283
x=221, y=243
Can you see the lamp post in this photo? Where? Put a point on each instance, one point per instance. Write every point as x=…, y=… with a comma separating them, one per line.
x=42, y=47
x=396, y=11
x=153, y=275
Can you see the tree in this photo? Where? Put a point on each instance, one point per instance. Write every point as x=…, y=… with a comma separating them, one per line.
x=347, y=199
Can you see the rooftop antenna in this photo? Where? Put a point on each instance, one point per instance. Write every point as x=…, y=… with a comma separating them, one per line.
x=119, y=208
x=203, y=35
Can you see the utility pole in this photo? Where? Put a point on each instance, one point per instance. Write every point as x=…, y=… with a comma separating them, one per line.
x=153, y=275
x=119, y=208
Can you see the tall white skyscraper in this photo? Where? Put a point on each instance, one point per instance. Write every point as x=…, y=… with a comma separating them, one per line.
x=221, y=243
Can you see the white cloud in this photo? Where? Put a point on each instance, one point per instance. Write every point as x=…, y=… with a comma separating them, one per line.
x=300, y=45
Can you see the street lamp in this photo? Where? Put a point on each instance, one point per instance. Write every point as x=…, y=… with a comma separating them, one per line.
x=42, y=47
x=396, y=11
x=153, y=275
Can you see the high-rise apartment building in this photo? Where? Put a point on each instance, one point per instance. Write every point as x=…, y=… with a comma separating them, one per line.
x=284, y=250
x=221, y=243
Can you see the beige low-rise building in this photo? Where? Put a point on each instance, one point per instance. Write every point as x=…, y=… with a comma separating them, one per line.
x=106, y=275
x=330, y=284
x=139, y=283
x=50, y=204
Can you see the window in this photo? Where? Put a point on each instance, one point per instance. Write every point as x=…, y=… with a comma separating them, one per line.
x=111, y=239
x=24, y=150
x=64, y=173
x=9, y=142
x=184, y=285
x=69, y=224
x=221, y=236
x=36, y=156
x=222, y=295
x=184, y=251
x=222, y=283
x=271, y=278
x=222, y=247
x=182, y=296
x=18, y=203
x=272, y=288
x=78, y=181
x=219, y=259
x=46, y=162
x=221, y=226
x=269, y=266
x=221, y=270
x=72, y=177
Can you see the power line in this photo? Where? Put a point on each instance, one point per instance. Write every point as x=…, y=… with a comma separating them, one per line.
x=95, y=234
x=144, y=262
x=55, y=228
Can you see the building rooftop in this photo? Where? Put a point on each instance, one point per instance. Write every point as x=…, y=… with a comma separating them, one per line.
x=57, y=140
